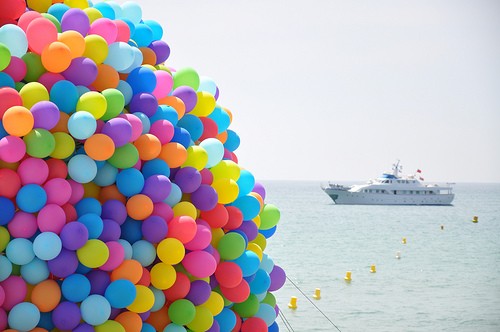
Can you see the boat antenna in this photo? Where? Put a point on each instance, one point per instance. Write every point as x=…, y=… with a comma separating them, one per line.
x=397, y=168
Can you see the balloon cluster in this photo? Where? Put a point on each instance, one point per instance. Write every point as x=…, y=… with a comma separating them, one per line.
x=122, y=203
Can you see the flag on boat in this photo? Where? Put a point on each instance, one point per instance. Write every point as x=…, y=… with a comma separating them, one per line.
x=419, y=171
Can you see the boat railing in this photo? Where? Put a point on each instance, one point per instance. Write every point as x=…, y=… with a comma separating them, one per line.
x=331, y=185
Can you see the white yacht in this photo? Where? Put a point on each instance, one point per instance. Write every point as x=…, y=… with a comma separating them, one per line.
x=392, y=189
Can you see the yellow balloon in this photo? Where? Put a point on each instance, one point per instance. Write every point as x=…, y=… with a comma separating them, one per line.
x=93, y=102
x=227, y=190
x=40, y=6
x=261, y=241
x=170, y=251
x=144, y=299
x=197, y=157
x=91, y=190
x=162, y=276
x=32, y=93
x=203, y=319
x=93, y=14
x=205, y=104
x=254, y=247
x=226, y=169
x=109, y=326
x=65, y=145
x=256, y=220
x=185, y=208
x=217, y=234
x=96, y=48
x=215, y=303
x=82, y=4
x=93, y=254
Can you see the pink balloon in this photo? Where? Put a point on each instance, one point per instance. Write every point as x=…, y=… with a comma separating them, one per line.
x=58, y=191
x=164, y=84
x=15, y=291
x=48, y=79
x=163, y=129
x=51, y=218
x=12, y=149
x=136, y=125
x=33, y=170
x=16, y=69
x=23, y=225
x=201, y=240
x=105, y=28
x=123, y=31
x=27, y=18
x=200, y=264
x=77, y=192
x=40, y=33
x=116, y=256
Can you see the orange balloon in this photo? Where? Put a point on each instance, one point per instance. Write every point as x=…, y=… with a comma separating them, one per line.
x=148, y=145
x=99, y=147
x=222, y=137
x=62, y=124
x=139, y=207
x=176, y=103
x=56, y=57
x=130, y=321
x=174, y=154
x=46, y=295
x=18, y=121
x=159, y=319
x=148, y=56
x=107, y=77
x=129, y=269
x=75, y=42
x=111, y=192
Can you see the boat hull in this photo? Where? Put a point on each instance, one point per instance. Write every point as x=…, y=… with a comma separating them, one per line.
x=358, y=198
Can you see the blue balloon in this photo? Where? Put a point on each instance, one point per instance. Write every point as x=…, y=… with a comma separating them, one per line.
x=146, y=124
x=260, y=284
x=65, y=95
x=88, y=205
x=57, y=10
x=155, y=167
x=75, y=288
x=147, y=328
x=248, y=262
x=6, y=81
x=130, y=182
x=245, y=182
x=82, y=168
x=165, y=112
x=142, y=79
x=24, y=316
x=120, y=56
x=144, y=252
x=5, y=268
x=175, y=195
x=126, y=91
x=192, y=124
x=131, y=230
x=120, y=293
x=93, y=223
x=31, y=198
x=156, y=28
x=159, y=299
x=182, y=137
x=143, y=35
x=233, y=140
x=221, y=118
x=105, y=9
x=8, y=210
x=127, y=247
x=248, y=205
x=95, y=309
x=106, y=175
x=226, y=319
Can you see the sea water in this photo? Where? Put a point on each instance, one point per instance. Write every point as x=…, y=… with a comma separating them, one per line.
x=447, y=276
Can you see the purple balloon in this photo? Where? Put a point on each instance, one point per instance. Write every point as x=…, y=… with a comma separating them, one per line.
x=115, y=210
x=250, y=229
x=66, y=316
x=84, y=327
x=64, y=264
x=74, y=235
x=145, y=103
x=46, y=114
x=161, y=49
x=199, y=292
x=259, y=189
x=99, y=281
x=154, y=229
x=157, y=187
x=111, y=231
x=215, y=327
x=120, y=131
x=204, y=198
x=278, y=278
x=81, y=71
x=75, y=19
x=188, y=179
x=187, y=95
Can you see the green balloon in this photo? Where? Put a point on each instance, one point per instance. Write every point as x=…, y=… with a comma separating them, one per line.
x=269, y=216
x=40, y=143
x=115, y=103
x=124, y=157
x=247, y=308
x=34, y=67
x=182, y=312
x=4, y=56
x=186, y=76
x=270, y=299
x=231, y=246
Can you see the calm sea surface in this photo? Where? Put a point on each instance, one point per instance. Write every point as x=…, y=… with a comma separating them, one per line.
x=446, y=279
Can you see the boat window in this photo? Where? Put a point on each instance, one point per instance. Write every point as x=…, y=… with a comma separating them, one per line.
x=411, y=191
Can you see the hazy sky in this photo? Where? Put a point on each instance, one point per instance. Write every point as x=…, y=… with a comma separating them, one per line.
x=338, y=90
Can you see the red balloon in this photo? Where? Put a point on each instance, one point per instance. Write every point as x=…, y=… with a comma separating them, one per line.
x=217, y=217
x=179, y=289
x=12, y=9
x=11, y=183
x=235, y=217
x=9, y=97
x=236, y=294
x=228, y=274
x=254, y=324
x=210, y=129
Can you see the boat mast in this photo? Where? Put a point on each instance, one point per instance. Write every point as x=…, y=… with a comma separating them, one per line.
x=396, y=169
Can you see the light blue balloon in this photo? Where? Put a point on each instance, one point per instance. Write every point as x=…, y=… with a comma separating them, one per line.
x=65, y=95
x=81, y=90
x=106, y=175
x=248, y=205
x=20, y=251
x=24, y=316
x=95, y=309
x=175, y=195
x=146, y=124
x=105, y=9
x=172, y=327
x=159, y=299
x=267, y=263
x=208, y=85
x=156, y=28
x=221, y=118
x=57, y=10
x=82, y=168
x=165, y=112
x=120, y=56
x=75, y=288
x=138, y=58
x=35, y=271
x=82, y=125
x=215, y=151
x=120, y=293
x=266, y=313
x=126, y=91
x=116, y=8
x=260, y=283
x=5, y=268
x=245, y=182
x=132, y=11
x=94, y=224
x=248, y=262
x=15, y=39
x=144, y=252
x=47, y=245
x=143, y=35
x=147, y=328
x=127, y=247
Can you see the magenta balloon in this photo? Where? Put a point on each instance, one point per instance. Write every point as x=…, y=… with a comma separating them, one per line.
x=64, y=264
x=75, y=19
x=188, y=179
x=154, y=229
x=145, y=103
x=202, y=237
x=163, y=129
x=278, y=278
x=23, y=225
x=120, y=131
x=12, y=149
x=199, y=292
x=15, y=289
x=46, y=114
x=187, y=95
x=51, y=218
x=157, y=187
x=204, y=198
x=58, y=191
x=200, y=264
x=136, y=123
x=161, y=49
x=74, y=235
x=33, y=170
x=81, y=71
